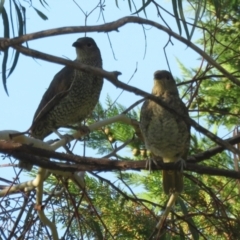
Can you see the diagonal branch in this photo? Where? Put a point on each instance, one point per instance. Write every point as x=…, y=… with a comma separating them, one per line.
x=113, y=26
x=112, y=77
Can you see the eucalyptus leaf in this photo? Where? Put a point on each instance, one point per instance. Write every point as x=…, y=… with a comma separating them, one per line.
x=5, y=57
x=41, y=14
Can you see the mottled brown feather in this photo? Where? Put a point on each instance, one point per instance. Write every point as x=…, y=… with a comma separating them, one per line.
x=166, y=134
x=58, y=88
x=72, y=94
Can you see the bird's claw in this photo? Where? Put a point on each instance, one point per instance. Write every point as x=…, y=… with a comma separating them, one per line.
x=84, y=130
x=149, y=164
x=182, y=164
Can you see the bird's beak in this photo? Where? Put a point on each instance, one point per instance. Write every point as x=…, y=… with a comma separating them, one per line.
x=77, y=44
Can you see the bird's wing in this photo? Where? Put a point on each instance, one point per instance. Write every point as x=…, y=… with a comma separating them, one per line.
x=146, y=115
x=184, y=127
x=57, y=90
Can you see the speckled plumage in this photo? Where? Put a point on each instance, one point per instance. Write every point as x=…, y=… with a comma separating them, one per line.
x=72, y=94
x=166, y=135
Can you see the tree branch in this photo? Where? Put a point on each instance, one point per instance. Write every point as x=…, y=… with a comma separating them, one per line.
x=113, y=26
x=112, y=77
x=38, y=157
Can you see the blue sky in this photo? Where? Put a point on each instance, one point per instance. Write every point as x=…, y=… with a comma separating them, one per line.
x=32, y=76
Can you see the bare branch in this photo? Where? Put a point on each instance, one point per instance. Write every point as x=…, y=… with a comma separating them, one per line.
x=38, y=157
x=113, y=26
x=112, y=77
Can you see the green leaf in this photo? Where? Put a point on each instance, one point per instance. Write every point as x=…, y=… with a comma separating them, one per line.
x=5, y=23
x=20, y=33
x=143, y=7
x=217, y=6
x=130, y=5
x=204, y=8
x=5, y=57
x=189, y=220
x=144, y=10
x=14, y=63
x=43, y=2
x=182, y=235
x=97, y=229
x=24, y=19
x=20, y=20
x=180, y=7
x=41, y=14
x=1, y=5
x=198, y=11
x=175, y=11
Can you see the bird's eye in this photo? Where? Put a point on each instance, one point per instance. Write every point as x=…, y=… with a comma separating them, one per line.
x=89, y=44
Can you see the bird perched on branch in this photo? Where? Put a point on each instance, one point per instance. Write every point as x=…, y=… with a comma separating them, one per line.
x=72, y=94
x=166, y=134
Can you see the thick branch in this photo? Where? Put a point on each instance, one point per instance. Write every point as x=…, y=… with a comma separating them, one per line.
x=35, y=156
x=112, y=77
x=113, y=26
x=212, y=151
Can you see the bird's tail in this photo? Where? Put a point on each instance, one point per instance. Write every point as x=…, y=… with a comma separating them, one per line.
x=172, y=181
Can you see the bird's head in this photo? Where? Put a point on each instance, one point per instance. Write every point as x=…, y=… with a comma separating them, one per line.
x=164, y=82
x=86, y=48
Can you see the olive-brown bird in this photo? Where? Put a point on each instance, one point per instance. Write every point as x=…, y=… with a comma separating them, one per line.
x=72, y=94
x=166, y=135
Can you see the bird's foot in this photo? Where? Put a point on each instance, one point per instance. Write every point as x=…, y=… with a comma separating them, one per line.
x=82, y=129
x=152, y=161
x=181, y=163
x=149, y=163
